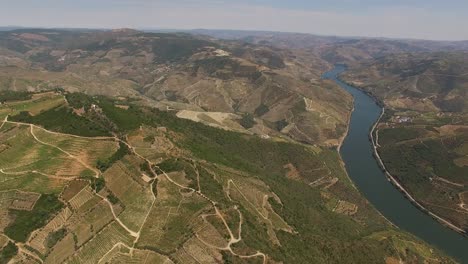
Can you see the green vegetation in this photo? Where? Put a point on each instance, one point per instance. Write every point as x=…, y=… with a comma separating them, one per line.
x=7, y=252
x=41, y=57
x=14, y=96
x=123, y=150
x=112, y=198
x=145, y=167
x=27, y=221
x=333, y=237
x=415, y=163
x=247, y=120
x=55, y=237
x=125, y=119
x=97, y=183
x=393, y=135
x=79, y=100
x=62, y=119
x=261, y=110
x=171, y=165
x=429, y=164
x=212, y=188
x=281, y=124
x=266, y=159
x=174, y=164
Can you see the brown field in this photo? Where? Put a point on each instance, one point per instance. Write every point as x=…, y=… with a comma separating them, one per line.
x=38, y=238
x=194, y=251
x=73, y=188
x=172, y=217
x=62, y=250
x=81, y=197
x=460, y=162
x=79, y=147
x=464, y=199
x=102, y=243
x=86, y=224
x=6, y=198
x=24, y=200
x=347, y=208
x=123, y=179
x=152, y=143
x=227, y=121
x=3, y=240
x=138, y=256
x=217, y=236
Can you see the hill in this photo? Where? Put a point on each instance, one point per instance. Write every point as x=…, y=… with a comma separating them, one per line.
x=422, y=137
x=89, y=179
x=335, y=49
x=279, y=89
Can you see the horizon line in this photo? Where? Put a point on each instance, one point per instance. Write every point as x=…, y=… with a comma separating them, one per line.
x=15, y=27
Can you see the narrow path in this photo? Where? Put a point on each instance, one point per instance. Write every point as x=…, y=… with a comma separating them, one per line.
x=22, y=249
x=4, y=121
x=118, y=244
x=198, y=176
x=38, y=172
x=245, y=198
x=57, y=133
x=132, y=233
x=400, y=187
x=97, y=173
x=232, y=239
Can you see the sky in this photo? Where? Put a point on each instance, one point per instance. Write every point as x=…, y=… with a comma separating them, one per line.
x=418, y=19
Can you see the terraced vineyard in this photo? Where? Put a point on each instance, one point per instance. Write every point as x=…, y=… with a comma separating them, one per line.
x=160, y=189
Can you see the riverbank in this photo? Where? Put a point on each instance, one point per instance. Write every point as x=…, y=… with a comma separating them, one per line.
x=392, y=178
x=362, y=166
x=395, y=182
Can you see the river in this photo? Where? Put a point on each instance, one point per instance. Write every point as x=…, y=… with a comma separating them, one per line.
x=365, y=172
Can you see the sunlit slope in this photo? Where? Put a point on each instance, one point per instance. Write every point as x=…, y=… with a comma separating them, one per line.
x=163, y=189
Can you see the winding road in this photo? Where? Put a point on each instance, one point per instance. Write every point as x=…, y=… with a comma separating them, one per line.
x=357, y=152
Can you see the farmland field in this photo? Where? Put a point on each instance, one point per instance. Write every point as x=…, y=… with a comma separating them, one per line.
x=135, y=196
x=133, y=184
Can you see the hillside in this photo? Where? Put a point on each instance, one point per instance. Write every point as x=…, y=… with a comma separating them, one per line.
x=89, y=179
x=422, y=138
x=422, y=82
x=335, y=49
x=279, y=91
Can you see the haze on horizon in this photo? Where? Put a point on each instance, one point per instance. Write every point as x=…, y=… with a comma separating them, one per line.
x=416, y=19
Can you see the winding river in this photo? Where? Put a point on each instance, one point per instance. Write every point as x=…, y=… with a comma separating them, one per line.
x=364, y=170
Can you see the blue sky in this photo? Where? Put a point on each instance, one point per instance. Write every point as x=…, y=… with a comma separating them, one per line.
x=429, y=19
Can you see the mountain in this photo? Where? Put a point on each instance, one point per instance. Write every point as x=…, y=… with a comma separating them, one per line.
x=335, y=49
x=130, y=147
x=92, y=178
x=422, y=138
x=416, y=81
x=281, y=89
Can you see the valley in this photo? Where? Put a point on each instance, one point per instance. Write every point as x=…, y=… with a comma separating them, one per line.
x=124, y=146
x=422, y=135
x=173, y=190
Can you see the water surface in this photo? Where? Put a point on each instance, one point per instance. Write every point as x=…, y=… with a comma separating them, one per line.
x=371, y=181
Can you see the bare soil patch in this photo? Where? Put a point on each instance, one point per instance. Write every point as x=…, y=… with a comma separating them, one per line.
x=24, y=201
x=346, y=208
x=31, y=36
x=72, y=189
x=292, y=173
